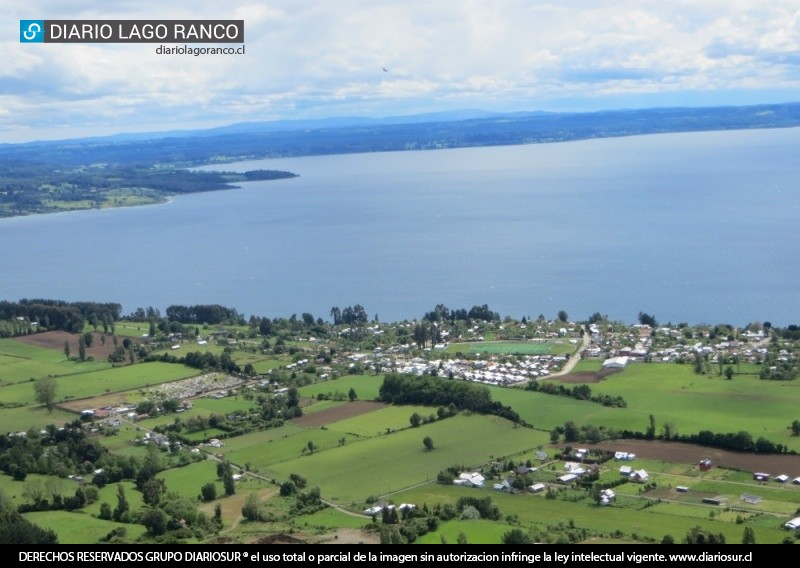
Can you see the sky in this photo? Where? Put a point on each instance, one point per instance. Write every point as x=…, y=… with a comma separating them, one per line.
x=372, y=58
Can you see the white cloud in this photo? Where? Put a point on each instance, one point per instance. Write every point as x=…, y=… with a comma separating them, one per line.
x=309, y=58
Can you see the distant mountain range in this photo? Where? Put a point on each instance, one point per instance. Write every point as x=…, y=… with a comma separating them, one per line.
x=454, y=129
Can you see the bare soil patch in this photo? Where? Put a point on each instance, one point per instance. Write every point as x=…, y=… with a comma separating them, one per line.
x=689, y=453
x=584, y=377
x=56, y=339
x=111, y=399
x=341, y=536
x=350, y=536
x=347, y=410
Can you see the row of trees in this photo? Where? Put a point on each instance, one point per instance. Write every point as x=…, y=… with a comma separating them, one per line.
x=433, y=391
x=351, y=315
x=204, y=313
x=442, y=313
x=578, y=392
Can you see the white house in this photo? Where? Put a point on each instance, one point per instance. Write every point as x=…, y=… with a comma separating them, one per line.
x=470, y=479
x=537, y=487
x=793, y=525
x=616, y=362
x=606, y=496
x=640, y=476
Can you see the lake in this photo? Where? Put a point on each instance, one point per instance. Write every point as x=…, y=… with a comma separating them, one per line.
x=696, y=227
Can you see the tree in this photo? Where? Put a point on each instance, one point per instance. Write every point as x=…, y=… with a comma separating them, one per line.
x=156, y=521
x=795, y=426
x=427, y=441
x=208, y=492
x=415, y=420
x=81, y=348
x=749, y=536
x=562, y=316
x=647, y=319
x=516, y=536
x=351, y=394
x=699, y=363
x=251, y=510
x=152, y=490
x=462, y=538
x=651, y=429
x=122, y=504
x=67, y=350
x=227, y=479
x=45, y=392
x=729, y=372
x=571, y=432
x=697, y=535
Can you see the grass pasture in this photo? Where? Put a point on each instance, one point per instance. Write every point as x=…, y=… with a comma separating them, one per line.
x=631, y=515
x=671, y=393
x=512, y=348
x=388, y=463
x=263, y=449
x=108, y=494
x=187, y=480
x=121, y=379
x=378, y=422
x=79, y=528
x=203, y=406
x=27, y=417
x=21, y=362
x=476, y=531
x=366, y=387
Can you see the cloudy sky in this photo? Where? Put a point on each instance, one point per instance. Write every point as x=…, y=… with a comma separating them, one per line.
x=312, y=59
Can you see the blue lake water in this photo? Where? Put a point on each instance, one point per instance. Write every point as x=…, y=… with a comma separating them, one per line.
x=697, y=227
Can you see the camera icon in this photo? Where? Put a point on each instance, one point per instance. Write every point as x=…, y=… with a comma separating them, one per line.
x=31, y=31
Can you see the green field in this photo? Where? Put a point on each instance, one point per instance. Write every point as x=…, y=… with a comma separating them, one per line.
x=202, y=407
x=512, y=348
x=108, y=494
x=383, y=464
x=187, y=480
x=27, y=417
x=122, y=379
x=79, y=528
x=329, y=518
x=22, y=362
x=630, y=517
x=672, y=393
x=477, y=532
x=263, y=449
x=378, y=422
x=366, y=386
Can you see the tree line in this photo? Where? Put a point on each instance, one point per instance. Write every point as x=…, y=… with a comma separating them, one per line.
x=442, y=313
x=436, y=391
x=58, y=314
x=578, y=392
x=204, y=313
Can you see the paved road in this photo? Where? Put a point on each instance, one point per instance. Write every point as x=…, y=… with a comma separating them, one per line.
x=573, y=360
